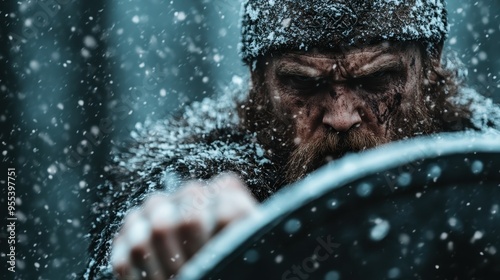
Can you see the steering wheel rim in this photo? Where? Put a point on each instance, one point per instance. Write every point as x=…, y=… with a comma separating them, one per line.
x=405, y=167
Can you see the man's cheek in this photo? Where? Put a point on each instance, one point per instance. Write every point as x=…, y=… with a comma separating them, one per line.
x=288, y=106
x=388, y=107
x=306, y=129
x=389, y=103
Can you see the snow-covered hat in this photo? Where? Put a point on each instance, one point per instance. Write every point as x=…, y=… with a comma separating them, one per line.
x=269, y=25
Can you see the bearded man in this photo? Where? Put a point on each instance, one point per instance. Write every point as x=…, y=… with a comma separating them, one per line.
x=327, y=78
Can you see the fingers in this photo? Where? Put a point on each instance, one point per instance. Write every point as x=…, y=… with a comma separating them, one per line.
x=136, y=250
x=157, y=239
x=127, y=247
x=146, y=261
x=164, y=238
x=234, y=201
x=196, y=226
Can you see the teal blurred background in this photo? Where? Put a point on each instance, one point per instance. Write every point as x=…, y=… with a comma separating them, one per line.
x=78, y=76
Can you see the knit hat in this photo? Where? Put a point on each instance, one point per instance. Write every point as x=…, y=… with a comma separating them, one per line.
x=270, y=25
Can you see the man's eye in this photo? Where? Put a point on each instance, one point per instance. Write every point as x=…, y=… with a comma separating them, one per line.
x=303, y=79
x=377, y=82
x=379, y=75
x=304, y=82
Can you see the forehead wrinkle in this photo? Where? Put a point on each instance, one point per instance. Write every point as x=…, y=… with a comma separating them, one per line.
x=353, y=62
x=386, y=61
x=304, y=64
x=363, y=62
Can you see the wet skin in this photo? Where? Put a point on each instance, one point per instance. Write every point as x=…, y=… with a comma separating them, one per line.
x=357, y=89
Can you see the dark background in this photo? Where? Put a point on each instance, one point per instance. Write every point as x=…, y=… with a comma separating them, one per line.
x=77, y=76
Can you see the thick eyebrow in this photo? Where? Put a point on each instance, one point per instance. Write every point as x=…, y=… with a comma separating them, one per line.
x=384, y=63
x=294, y=68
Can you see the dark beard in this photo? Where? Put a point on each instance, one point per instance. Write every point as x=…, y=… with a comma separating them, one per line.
x=307, y=157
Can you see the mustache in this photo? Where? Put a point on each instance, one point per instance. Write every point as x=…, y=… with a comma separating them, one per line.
x=307, y=157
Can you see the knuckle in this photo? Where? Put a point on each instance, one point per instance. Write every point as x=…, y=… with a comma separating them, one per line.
x=193, y=224
x=131, y=217
x=132, y=220
x=193, y=212
x=153, y=201
x=191, y=189
x=162, y=231
x=120, y=256
x=164, y=216
x=227, y=180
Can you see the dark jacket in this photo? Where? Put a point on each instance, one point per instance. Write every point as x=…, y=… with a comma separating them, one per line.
x=203, y=142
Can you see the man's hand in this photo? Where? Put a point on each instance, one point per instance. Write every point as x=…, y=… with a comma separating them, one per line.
x=157, y=239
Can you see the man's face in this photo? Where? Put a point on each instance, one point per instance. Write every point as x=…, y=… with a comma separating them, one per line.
x=344, y=102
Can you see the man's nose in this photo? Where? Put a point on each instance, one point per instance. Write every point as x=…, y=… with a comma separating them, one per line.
x=341, y=114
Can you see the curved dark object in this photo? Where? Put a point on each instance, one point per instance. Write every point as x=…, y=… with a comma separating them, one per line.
x=426, y=208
